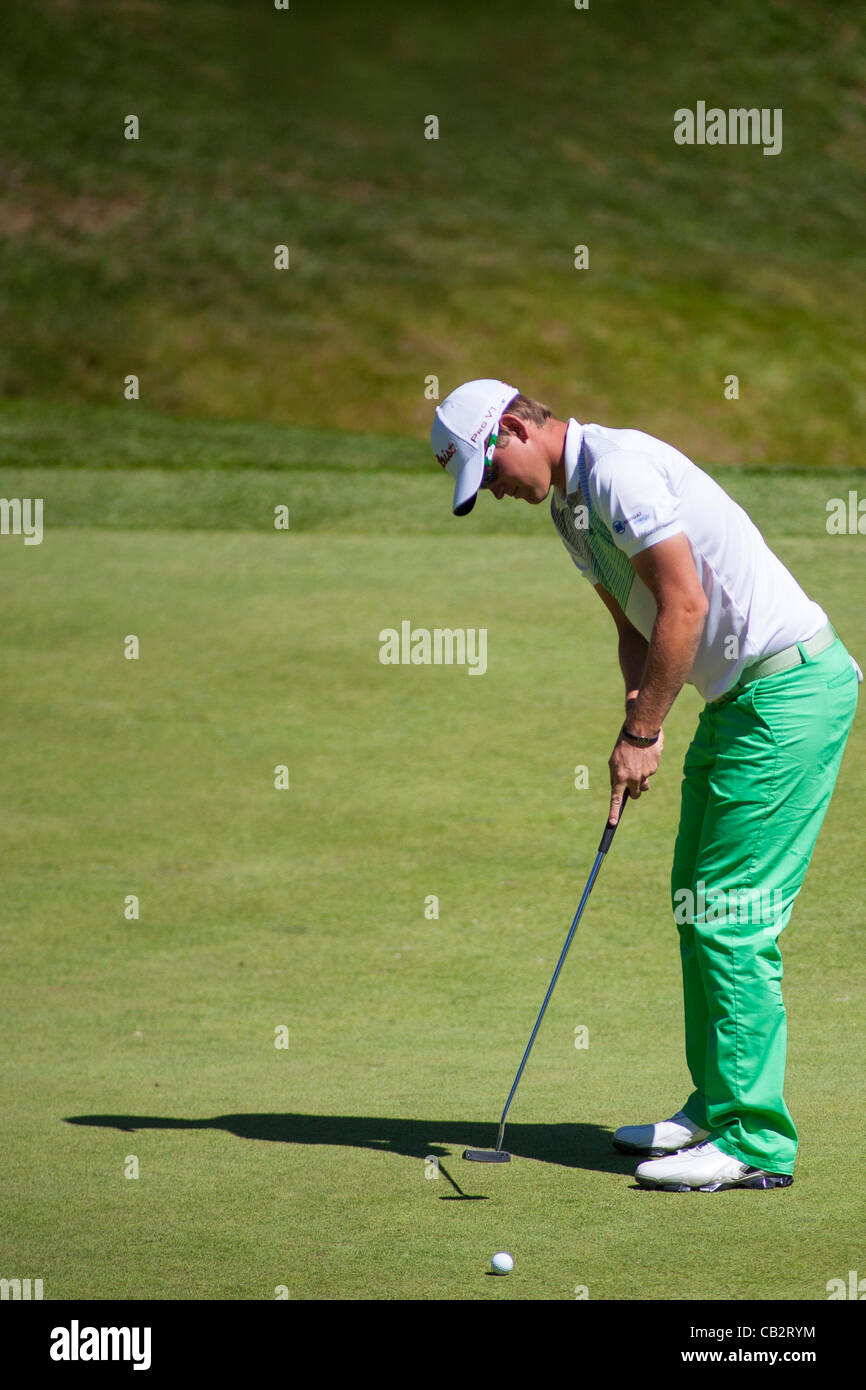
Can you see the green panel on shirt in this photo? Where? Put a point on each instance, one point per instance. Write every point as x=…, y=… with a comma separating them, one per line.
x=615, y=570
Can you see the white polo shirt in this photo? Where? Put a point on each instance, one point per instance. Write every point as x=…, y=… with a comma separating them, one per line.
x=626, y=491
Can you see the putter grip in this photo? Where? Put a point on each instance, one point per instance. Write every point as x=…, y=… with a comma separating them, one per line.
x=610, y=830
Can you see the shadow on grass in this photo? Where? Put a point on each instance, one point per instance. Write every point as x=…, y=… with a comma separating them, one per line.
x=571, y=1145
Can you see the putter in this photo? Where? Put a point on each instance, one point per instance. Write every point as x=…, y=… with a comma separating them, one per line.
x=500, y=1155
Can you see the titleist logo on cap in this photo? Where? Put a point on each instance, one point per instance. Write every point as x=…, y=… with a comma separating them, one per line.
x=447, y=454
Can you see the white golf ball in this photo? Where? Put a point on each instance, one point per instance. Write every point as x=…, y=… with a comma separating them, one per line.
x=502, y=1262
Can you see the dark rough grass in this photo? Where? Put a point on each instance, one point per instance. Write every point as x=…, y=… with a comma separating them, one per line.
x=450, y=258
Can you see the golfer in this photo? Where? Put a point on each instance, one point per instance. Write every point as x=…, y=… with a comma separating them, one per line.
x=696, y=596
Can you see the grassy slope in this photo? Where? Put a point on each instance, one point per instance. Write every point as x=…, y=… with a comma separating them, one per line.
x=451, y=257
x=102, y=466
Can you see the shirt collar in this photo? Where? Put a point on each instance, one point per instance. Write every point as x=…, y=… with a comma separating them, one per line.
x=571, y=453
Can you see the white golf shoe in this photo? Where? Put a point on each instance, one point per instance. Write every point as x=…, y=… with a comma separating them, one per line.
x=704, y=1168
x=669, y=1136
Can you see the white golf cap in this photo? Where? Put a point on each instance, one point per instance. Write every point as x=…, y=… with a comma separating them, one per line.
x=460, y=428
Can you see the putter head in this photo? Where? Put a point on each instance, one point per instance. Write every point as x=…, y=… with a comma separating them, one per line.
x=487, y=1155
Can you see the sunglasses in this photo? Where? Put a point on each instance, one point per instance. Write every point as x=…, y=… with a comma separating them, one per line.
x=491, y=472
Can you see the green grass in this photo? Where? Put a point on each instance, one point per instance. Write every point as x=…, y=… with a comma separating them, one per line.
x=449, y=258
x=305, y=908
x=101, y=466
x=415, y=264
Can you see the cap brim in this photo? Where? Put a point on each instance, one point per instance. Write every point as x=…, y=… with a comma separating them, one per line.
x=468, y=483
x=466, y=507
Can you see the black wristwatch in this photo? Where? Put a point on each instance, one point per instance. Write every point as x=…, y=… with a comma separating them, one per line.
x=638, y=740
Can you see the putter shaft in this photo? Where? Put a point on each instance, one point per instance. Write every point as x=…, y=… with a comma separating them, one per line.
x=604, y=846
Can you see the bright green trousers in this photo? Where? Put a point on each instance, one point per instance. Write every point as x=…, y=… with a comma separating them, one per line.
x=757, y=780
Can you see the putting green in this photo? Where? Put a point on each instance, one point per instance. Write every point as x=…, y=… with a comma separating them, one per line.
x=308, y=1168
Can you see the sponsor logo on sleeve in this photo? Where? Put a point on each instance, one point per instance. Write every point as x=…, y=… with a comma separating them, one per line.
x=619, y=526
